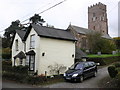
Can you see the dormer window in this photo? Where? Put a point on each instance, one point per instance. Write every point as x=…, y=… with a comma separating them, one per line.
x=32, y=41
x=16, y=44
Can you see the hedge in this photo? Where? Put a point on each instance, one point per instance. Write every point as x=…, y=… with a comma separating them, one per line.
x=6, y=56
x=15, y=69
x=34, y=80
x=20, y=74
x=8, y=63
x=105, y=60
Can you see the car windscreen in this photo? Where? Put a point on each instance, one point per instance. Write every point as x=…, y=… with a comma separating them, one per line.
x=77, y=66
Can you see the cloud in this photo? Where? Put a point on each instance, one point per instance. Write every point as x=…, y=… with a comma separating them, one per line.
x=74, y=11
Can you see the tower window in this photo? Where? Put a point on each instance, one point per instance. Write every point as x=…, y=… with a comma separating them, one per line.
x=94, y=27
x=93, y=14
x=93, y=18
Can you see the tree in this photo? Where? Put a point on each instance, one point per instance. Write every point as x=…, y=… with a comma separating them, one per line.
x=117, y=42
x=5, y=42
x=36, y=19
x=10, y=31
x=97, y=43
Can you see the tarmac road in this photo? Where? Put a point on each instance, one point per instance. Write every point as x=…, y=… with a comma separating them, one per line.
x=88, y=83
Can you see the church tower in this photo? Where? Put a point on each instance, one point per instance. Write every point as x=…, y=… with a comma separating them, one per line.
x=97, y=18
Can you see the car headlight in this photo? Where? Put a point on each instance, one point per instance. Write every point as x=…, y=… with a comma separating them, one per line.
x=64, y=74
x=74, y=75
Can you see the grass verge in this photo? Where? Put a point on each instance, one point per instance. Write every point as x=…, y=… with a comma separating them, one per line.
x=102, y=56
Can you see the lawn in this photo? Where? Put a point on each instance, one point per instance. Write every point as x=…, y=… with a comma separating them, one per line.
x=102, y=55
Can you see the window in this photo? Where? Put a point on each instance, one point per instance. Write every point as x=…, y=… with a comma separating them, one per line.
x=93, y=14
x=94, y=28
x=27, y=60
x=86, y=65
x=32, y=41
x=100, y=18
x=16, y=45
x=91, y=64
x=103, y=18
x=30, y=61
x=94, y=18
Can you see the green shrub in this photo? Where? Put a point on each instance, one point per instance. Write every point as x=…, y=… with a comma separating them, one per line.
x=35, y=79
x=15, y=69
x=6, y=56
x=14, y=76
x=7, y=68
x=20, y=69
x=112, y=71
x=8, y=63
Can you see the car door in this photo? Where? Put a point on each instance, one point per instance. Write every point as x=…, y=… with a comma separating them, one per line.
x=86, y=70
x=91, y=68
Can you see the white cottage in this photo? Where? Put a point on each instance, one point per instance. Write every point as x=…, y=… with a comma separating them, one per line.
x=43, y=49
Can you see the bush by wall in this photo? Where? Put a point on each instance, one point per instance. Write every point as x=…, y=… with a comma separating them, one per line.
x=20, y=74
x=112, y=71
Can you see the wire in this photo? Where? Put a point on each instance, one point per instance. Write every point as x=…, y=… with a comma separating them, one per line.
x=43, y=11
x=47, y=9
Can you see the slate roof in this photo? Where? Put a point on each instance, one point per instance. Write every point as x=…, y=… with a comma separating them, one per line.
x=79, y=53
x=81, y=30
x=21, y=33
x=86, y=31
x=30, y=53
x=53, y=32
x=20, y=55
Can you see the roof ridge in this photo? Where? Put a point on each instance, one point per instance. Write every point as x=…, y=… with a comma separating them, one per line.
x=51, y=28
x=78, y=26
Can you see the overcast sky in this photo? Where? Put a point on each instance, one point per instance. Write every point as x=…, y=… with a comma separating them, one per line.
x=71, y=11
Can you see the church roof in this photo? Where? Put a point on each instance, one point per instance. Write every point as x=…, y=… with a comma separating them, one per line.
x=79, y=53
x=81, y=30
x=85, y=31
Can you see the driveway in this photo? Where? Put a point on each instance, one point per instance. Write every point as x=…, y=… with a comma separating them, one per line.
x=88, y=83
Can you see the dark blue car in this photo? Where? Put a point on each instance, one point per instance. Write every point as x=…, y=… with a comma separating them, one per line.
x=80, y=70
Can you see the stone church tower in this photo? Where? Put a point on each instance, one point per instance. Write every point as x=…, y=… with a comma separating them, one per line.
x=97, y=18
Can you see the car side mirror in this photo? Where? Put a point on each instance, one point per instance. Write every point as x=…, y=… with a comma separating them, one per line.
x=98, y=64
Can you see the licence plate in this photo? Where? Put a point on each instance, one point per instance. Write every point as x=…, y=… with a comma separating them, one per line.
x=68, y=78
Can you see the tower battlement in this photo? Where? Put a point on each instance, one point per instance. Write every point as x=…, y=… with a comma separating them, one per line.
x=97, y=5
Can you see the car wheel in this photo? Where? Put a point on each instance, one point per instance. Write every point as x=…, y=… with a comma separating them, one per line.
x=95, y=74
x=81, y=78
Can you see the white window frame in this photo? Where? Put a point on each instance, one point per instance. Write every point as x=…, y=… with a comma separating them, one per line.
x=16, y=44
x=32, y=41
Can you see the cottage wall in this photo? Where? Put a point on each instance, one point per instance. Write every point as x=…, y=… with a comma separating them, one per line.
x=20, y=47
